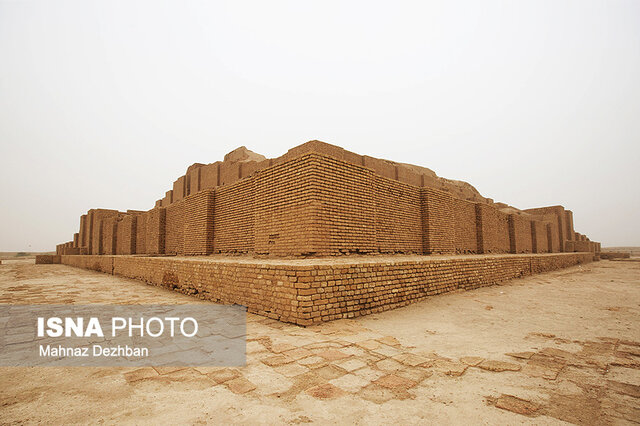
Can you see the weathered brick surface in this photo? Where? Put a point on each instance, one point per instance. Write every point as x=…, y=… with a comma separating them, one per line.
x=398, y=216
x=109, y=234
x=318, y=200
x=569, y=246
x=47, y=259
x=168, y=198
x=539, y=237
x=583, y=246
x=466, y=230
x=179, y=189
x=198, y=224
x=493, y=229
x=287, y=209
x=520, y=234
x=174, y=228
x=347, y=207
x=233, y=218
x=247, y=168
x=438, y=221
x=229, y=173
x=555, y=245
x=83, y=231
x=568, y=217
x=141, y=233
x=609, y=255
x=96, y=237
x=155, y=221
x=209, y=176
x=194, y=178
x=306, y=294
x=557, y=216
x=126, y=235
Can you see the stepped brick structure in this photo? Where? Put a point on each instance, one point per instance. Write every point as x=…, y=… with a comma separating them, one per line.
x=319, y=200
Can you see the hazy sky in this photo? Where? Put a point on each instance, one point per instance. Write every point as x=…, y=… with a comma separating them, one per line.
x=104, y=104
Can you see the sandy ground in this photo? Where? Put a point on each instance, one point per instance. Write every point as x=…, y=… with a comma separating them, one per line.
x=558, y=347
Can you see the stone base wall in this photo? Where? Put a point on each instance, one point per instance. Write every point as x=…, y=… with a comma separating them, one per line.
x=306, y=293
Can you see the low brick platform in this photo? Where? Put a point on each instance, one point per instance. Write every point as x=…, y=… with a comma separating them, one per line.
x=309, y=291
x=47, y=259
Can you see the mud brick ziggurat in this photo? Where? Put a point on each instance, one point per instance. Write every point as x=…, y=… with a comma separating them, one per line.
x=322, y=233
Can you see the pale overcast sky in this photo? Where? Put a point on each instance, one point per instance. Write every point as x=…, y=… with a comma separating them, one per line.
x=105, y=103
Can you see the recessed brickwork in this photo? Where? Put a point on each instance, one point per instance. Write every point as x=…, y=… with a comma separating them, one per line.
x=520, y=234
x=313, y=204
x=126, y=235
x=539, y=237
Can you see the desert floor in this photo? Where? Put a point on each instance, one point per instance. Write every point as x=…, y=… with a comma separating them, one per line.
x=561, y=346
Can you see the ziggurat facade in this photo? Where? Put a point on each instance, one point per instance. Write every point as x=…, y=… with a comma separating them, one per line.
x=251, y=221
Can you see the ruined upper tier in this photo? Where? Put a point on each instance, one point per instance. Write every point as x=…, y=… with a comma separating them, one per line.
x=319, y=199
x=242, y=162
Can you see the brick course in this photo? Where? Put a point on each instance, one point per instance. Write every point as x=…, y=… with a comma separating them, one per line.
x=311, y=204
x=306, y=294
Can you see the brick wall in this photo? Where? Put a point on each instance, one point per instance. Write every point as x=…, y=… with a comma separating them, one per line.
x=315, y=204
x=209, y=175
x=233, y=218
x=168, y=198
x=141, y=233
x=247, y=168
x=174, y=228
x=398, y=216
x=380, y=167
x=552, y=236
x=126, y=235
x=155, y=230
x=96, y=235
x=229, y=173
x=179, y=189
x=47, y=259
x=493, y=229
x=520, y=234
x=347, y=206
x=193, y=177
x=556, y=215
x=569, y=235
x=582, y=246
x=198, y=227
x=438, y=221
x=286, y=209
x=539, y=238
x=466, y=232
x=83, y=231
x=109, y=235
x=306, y=294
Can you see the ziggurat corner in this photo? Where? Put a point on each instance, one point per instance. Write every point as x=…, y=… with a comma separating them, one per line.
x=320, y=201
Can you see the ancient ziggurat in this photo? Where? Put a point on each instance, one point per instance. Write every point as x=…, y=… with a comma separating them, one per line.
x=322, y=233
